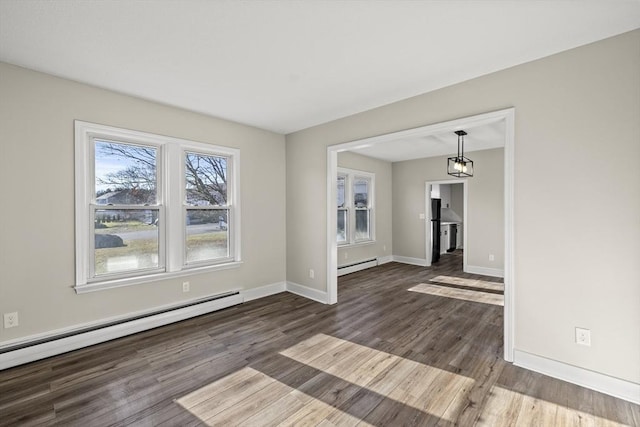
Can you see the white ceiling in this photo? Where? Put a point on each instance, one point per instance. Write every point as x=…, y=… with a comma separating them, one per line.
x=288, y=65
x=483, y=137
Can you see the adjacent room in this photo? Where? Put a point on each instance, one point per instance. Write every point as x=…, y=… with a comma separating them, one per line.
x=340, y=213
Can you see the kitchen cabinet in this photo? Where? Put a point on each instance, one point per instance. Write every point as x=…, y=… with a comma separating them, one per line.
x=446, y=232
x=444, y=238
x=445, y=195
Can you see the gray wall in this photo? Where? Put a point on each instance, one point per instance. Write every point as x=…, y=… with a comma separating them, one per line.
x=457, y=205
x=457, y=199
x=485, y=219
x=37, y=192
x=382, y=212
x=577, y=132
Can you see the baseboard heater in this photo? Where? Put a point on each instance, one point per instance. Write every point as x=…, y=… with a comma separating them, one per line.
x=64, y=341
x=357, y=266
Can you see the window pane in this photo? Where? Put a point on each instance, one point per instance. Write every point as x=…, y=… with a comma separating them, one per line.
x=125, y=174
x=342, y=225
x=361, y=192
x=207, y=235
x=362, y=224
x=341, y=183
x=125, y=240
x=206, y=180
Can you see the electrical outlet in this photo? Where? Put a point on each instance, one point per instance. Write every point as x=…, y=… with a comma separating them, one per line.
x=421, y=216
x=312, y=274
x=583, y=336
x=384, y=248
x=11, y=320
x=492, y=257
x=346, y=255
x=186, y=286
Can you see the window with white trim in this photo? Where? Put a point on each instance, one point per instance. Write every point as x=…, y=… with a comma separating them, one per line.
x=355, y=202
x=150, y=207
x=206, y=209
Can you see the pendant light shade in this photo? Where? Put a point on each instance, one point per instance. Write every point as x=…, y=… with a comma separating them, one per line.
x=460, y=166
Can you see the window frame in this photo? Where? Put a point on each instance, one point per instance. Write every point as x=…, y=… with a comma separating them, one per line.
x=351, y=175
x=94, y=206
x=229, y=206
x=170, y=202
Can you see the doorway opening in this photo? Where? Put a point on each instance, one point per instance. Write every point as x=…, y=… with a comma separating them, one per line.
x=446, y=215
x=507, y=116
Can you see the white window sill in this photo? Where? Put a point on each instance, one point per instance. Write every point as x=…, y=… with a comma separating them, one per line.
x=130, y=281
x=355, y=244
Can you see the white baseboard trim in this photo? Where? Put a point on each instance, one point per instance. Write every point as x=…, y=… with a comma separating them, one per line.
x=27, y=352
x=485, y=271
x=583, y=377
x=263, y=291
x=307, y=292
x=408, y=260
x=385, y=259
x=356, y=267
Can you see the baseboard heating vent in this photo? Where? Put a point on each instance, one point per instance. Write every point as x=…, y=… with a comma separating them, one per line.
x=357, y=266
x=41, y=347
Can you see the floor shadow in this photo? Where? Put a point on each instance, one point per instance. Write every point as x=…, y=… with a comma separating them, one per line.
x=357, y=401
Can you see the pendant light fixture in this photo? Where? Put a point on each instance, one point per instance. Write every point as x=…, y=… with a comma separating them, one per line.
x=460, y=166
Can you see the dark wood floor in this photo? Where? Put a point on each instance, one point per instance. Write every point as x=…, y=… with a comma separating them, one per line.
x=405, y=345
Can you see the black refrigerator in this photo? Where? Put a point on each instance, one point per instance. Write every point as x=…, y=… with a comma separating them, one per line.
x=435, y=229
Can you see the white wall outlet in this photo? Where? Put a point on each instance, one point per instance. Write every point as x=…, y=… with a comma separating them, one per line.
x=421, y=216
x=186, y=286
x=312, y=274
x=346, y=255
x=384, y=248
x=583, y=336
x=492, y=257
x=11, y=320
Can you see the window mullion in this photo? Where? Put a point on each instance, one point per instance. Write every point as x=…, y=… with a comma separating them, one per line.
x=233, y=203
x=231, y=228
x=352, y=209
x=346, y=205
x=353, y=221
x=91, y=242
x=173, y=194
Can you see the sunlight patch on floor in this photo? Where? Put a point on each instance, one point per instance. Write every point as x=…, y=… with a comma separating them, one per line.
x=461, y=294
x=408, y=382
x=534, y=411
x=471, y=283
x=247, y=397
x=349, y=375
